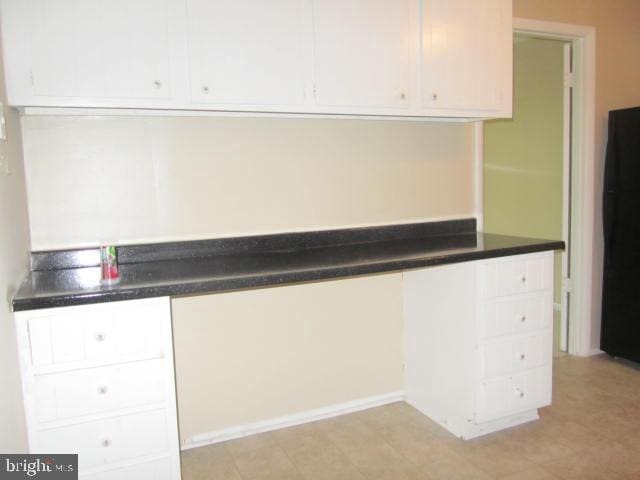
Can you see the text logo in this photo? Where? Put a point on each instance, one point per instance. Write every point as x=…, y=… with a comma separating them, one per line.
x=48, y=467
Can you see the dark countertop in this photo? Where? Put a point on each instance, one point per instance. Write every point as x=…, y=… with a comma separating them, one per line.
x=236, y=269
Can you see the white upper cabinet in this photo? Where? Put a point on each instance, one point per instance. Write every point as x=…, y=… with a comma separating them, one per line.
x=247, y=52
x=362, y=51
x=405, y=58
x=467, y=57
x=84, y=52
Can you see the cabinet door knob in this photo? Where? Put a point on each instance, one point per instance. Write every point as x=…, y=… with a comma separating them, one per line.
x=434, y=96
x=205, y=89
x=522, y=356
x=521, y=394
x=523, y=318
x=102, y=390
x=403, y=96
x=157, y=83
x=523, y=279
x=106, y=443
x=100, y=337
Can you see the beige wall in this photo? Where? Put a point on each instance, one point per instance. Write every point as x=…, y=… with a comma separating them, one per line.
x=137, y=179
x=617, y=25
x=261, y=354
x=14, y=248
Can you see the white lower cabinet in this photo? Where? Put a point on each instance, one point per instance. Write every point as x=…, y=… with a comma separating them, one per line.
x=478, y=342
x=98, y=381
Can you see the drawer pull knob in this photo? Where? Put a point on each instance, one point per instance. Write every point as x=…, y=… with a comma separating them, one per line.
x=523, y=279
x=521, y=394
x=523, y=318
x=157, y=84
x=205, y=89
x=522, y=356
x=102, y=390
x=101, y=337
x=106, y=443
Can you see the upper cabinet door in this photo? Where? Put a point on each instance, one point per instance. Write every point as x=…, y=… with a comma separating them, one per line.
x=362, y=51
x=92, y=49
x=467, y=57
x=249, y=52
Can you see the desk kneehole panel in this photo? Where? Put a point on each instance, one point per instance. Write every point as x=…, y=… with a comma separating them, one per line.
x=98, y=380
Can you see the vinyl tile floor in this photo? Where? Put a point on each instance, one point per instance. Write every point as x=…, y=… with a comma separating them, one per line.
x=591, y=431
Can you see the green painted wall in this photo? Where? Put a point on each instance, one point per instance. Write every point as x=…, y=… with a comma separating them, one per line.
x=523, y=164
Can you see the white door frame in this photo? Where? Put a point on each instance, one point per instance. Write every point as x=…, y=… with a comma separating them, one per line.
x=583, y=40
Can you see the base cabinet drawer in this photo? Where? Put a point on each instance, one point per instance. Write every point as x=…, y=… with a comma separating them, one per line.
x=516, y=314
x=94, y=332
x=160, y=469
x=509, y=355
x=526, y=273
x=99, y=390
x=108, y=441
x=513, y=394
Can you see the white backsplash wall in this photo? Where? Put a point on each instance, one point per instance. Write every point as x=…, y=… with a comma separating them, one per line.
x=149, y=179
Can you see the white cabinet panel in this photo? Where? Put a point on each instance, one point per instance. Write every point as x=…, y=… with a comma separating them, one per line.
x=369, y=57
x=362, y=51
x=98, y=49
x=526, y=274
x=108, y=441
x=508, y=395
x=478, y=342
x=467, y=50
x=99, y=390
x=93, y=333
x=510, y=315
x=247, y=51
x=98, y=380
x=507, y=355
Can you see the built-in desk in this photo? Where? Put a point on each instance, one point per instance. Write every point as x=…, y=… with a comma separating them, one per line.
x=97, y=361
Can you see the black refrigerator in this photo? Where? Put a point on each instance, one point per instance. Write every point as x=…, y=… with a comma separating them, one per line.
x=621, y=218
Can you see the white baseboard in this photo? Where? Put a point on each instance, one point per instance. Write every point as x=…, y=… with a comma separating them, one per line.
x=594, y=351
x=239, y=431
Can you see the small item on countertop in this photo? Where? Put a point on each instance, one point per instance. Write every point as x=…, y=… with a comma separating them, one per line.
x=109, y=264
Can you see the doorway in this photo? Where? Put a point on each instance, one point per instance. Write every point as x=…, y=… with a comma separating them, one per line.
x=527, y=160
x=580, y=232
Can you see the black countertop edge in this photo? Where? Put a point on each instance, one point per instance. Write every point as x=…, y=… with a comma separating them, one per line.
x=278, y=242
x=226, y=284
